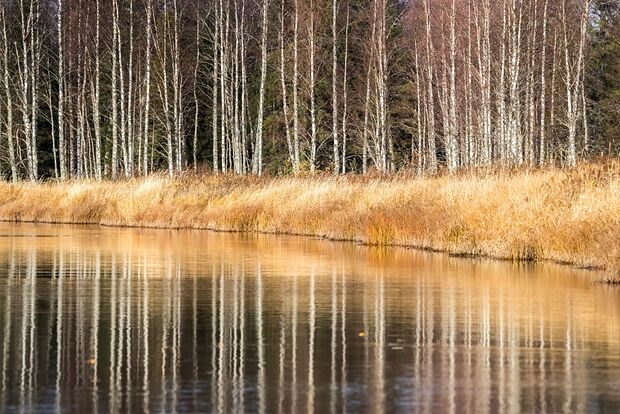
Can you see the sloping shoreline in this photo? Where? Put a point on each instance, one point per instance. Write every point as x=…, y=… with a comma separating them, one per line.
x=564, y=216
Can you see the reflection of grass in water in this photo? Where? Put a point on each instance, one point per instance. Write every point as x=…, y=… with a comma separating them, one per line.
x=565, y=216
x=610, y=279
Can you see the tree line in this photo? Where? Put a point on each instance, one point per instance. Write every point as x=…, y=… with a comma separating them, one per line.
x=120, y=88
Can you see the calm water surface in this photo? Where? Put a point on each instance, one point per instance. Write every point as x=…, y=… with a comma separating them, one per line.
x=111, y=320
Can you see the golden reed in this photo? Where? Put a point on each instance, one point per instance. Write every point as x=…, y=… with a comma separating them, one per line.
x=566, y=216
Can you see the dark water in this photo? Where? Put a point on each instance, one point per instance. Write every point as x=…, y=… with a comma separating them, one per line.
x=110, y=320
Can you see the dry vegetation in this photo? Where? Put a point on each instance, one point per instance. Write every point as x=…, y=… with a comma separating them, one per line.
x=568, y=216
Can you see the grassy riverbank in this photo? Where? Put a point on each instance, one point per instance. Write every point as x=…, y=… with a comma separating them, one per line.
x=564, y=216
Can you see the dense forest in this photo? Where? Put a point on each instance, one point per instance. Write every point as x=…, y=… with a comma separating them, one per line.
x=121, y=88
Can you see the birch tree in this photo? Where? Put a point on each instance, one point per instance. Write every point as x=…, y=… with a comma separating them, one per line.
x=430, y=105
x=573, y=65
x=335, y=87
x=285, y=108
x=344, y=93
x=96, y=96
x=258, y=146
x=8, y=97
x=296, y=89
x=115, y=64
x=147, y=92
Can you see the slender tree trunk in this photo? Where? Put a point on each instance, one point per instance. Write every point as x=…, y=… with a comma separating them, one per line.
x=196, y=106
x=420, y=127
x=123, y=101
x=381, y=84
x=452, y=144
x=9, y=100
x=514, y=75
x=130, y=121
x=296, y=90
x=553, y=93
x=25, y=75
x=234, y=87
x=501, y=128
x=166, y=93
x=543, y=89
x=258, y=146
x=96, y=97
x=244, y=93
x=223, y=74
x=487, y=128
x=283, y=84
x=147, y=93
x=83, y=171
x=178, y=98
x=35, y=51
x=584, y=112
x=50, y=106
x=335, y=87
x=530, y=99
x=467, y=157
x=344, y=94
x=432, y=151
x=215, y=102
x=573, y=79
x=365, y=131
x=115, y=64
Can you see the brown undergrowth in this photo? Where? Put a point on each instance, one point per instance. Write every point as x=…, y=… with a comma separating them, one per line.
x=567, y=216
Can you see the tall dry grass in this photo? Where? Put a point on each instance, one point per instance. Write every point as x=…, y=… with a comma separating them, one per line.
x=568, y=216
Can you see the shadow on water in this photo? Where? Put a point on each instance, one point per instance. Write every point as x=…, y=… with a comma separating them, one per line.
x=110, y=320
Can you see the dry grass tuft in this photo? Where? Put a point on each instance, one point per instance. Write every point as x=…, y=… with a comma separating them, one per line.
x=568, y=216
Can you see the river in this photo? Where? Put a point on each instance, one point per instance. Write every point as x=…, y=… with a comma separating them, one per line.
x=96, y=319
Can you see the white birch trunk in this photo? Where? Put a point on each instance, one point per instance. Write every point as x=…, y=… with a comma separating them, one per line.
x=196, y=106
x=283, y=85
x=130, y=120
x=9, y=100
x=334, y=87
x=115, y=63
x=96, y=98
x=344, y=94
x=573, y=80
x=420, y=127
x=452, y=144
x=147, y=92
x=543, y=89
x=258, y=146
x=25, y=78
x=215, y=102
x=432, y=151
x=178, y=98
x=295, y=90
